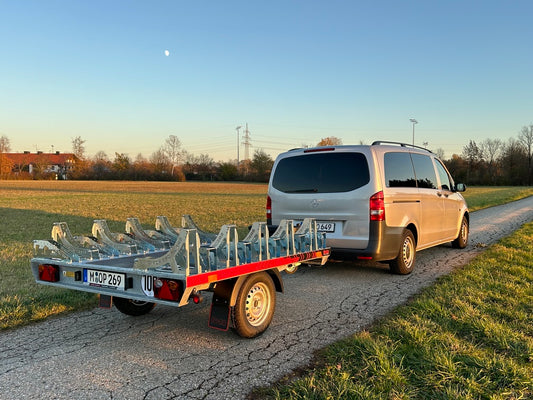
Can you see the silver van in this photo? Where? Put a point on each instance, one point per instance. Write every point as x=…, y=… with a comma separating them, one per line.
x=380, y=202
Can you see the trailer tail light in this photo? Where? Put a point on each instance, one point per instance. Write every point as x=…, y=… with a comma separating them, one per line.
x=269, y=209
x=167, y=289
x=48, y=273
x=377, y=207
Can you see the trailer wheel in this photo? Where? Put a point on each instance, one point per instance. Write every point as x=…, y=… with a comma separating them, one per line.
x=254, y=308
x=132, y=307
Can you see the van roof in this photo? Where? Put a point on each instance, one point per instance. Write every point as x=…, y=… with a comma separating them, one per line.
x=375, y=143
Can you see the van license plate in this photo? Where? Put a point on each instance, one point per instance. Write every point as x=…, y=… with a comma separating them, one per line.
x=104, y=279
x=325, y=226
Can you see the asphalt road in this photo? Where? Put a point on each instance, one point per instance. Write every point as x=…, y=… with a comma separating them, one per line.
x=171, y=354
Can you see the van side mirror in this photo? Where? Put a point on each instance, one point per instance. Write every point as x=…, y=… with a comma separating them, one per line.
x=460, y=187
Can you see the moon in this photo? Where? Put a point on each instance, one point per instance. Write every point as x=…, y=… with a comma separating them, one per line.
x=167, y=53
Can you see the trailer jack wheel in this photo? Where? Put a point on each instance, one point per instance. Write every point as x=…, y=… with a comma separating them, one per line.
x=132, y=307
x=254, y=308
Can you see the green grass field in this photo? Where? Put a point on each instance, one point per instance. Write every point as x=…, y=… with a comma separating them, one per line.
x=29, y=208
x=469, y=336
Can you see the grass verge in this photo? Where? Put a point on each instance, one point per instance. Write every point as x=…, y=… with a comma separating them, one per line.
x=479, y=197
x=469, y=336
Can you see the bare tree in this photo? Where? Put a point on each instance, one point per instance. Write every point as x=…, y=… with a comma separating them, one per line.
x=513, y=161
x=472, y=154
x=4, y=148
x=490, y=150
x=78, y=147
x=160, y=161
x=172, y=149
x=330, y=141
x=101, y=156
x=526, y=138
x=439, y=153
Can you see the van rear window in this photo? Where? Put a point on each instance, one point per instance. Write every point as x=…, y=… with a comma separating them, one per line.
x=321, y=173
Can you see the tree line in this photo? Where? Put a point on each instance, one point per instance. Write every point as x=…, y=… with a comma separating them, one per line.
x=489, y=162
x=495, y=162
x=169, y=163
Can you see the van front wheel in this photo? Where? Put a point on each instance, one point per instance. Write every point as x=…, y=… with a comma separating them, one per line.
x=462, y=239
x=404, y=262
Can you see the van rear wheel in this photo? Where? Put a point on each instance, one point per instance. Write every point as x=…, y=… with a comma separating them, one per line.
x=404, y=262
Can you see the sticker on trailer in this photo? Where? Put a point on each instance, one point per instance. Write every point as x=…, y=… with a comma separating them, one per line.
x=147, y=285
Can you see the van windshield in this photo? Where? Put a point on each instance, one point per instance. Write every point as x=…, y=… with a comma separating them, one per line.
x=321, y=173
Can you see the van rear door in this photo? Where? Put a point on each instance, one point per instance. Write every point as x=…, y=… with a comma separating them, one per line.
x=328, y=185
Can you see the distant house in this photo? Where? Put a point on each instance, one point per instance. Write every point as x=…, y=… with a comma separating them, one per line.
x=38, y=165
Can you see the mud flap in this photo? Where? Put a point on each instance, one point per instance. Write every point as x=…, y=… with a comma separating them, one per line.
x=220, y=314
x=105, y=301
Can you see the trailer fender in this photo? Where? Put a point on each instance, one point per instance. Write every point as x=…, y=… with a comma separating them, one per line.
x=225, y=297
x=274, y=274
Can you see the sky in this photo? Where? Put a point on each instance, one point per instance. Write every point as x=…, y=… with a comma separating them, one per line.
x=124, y=75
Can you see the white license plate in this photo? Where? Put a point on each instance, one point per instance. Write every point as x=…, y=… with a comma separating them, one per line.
x=325, y=227
x=104, y=279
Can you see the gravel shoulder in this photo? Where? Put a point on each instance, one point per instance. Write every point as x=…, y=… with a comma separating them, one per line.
x=171, y=353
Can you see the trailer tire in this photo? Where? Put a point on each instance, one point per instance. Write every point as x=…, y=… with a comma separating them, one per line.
x=254, y=308
x=132, y=307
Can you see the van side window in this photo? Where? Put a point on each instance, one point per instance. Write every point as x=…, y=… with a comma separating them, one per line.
x=425, y=171
x=445, y=182
x=399, y=170
x=321, y=173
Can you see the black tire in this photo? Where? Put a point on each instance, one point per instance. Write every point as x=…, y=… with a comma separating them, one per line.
x=132, y=307
x=462, y=239
x=404, y=262
x=254, y=308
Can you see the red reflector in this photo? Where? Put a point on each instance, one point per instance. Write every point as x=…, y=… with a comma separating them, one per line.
x=364, y=258
x=167, y=289
x=48, y=273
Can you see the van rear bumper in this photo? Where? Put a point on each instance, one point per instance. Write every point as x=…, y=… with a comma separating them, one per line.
x=383, y=244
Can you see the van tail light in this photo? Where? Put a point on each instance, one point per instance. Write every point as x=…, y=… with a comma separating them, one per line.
x=377, y=207
x=167, y=289
x=48, y=273
x=269, y=209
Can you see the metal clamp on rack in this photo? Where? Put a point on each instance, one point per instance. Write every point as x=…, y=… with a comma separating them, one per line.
x=124, y=244
x=183, y=257
x=134, y=228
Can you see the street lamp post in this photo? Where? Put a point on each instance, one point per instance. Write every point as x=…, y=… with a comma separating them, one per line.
x=414, y=122
x=237, y=129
